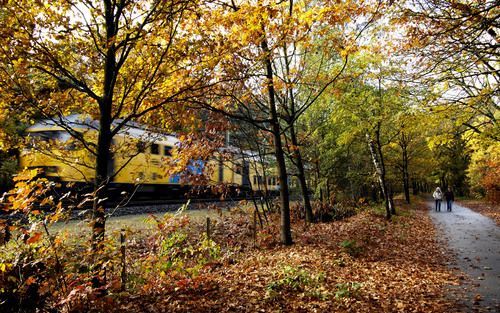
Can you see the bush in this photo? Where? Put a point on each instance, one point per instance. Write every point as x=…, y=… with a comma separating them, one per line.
x=8, y=168
x=21, y=279
x=175, y=257
x=351, y=247
x=332, y=212
x=347, y=290
x=296, y=279
x=484, y=173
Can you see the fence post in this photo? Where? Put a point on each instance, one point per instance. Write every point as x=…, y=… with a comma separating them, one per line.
x=255, y=228
x=124, y=265
x=208, y=228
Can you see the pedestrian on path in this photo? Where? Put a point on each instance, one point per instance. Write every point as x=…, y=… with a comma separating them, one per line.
x=450, y=197
x=438, y=197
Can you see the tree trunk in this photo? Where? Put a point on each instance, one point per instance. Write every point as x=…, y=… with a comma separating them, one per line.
x=293, y=136
x=391, y=197
x=104, y=144
x=286, y=233
x=101, y=181
x=380, y=175
x=406, y=178
x=382, y=165
x=301, y=175
x=415, y=186
x=264, y=176
x=328, y=191
x=374, y=193
x=318, y=176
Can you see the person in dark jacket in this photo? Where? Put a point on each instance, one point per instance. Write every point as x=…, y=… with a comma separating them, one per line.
x=450, y=197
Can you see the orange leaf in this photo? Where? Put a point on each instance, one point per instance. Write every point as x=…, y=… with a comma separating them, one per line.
x=30, y=280
x=34, y=238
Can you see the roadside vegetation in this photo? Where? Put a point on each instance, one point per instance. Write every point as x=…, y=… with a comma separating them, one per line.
x=362, y=263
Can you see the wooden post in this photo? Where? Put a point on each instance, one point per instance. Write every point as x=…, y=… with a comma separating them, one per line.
x=208, y=228
x=124, y=265
x=255, y=228
x=306, y=222
x=257, y=211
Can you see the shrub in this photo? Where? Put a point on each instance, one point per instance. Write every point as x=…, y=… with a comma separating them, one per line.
x=347, y=290
x=484, y=173
x=21, y=278
x=175, y=257
x=351, y=247
x=297, y=279
x=325, y=212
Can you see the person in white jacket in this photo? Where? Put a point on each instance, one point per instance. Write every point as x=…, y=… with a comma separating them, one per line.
x=438, y=197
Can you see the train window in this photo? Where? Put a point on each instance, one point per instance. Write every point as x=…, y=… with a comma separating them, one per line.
x=141, y=146
x=155, y=149
x=167, y=151
x=238, y=169
x=50, y=135
x=140, y=176
x=274, y=180
x=259, y=179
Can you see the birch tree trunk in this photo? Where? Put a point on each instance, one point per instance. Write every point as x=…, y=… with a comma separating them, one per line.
x=380, y=175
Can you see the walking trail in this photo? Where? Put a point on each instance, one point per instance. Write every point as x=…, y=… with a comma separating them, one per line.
x=475, y=241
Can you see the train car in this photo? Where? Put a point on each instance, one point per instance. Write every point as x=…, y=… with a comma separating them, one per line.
x=244, y=170
x=142, y=160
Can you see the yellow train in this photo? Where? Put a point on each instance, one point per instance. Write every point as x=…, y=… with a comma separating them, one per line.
x=140, y=158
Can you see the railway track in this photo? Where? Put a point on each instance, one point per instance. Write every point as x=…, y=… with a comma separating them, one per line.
x=144, y=206
x=149, y=201
x=161, y=206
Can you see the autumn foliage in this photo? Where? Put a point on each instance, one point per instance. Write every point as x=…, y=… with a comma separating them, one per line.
x=491, y=181
x=326, y=91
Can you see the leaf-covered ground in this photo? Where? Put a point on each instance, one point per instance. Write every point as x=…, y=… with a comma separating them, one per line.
x=486, y=208
x=361, y=264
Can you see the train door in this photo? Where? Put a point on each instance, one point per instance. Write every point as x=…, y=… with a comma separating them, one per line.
x=221, y=170
x=245, y=180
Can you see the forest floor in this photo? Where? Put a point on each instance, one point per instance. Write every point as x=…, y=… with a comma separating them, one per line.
x=474, y=241
x=419, y=261
x=360, y=264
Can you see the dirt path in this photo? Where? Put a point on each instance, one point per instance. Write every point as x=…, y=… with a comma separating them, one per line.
x=475, y=241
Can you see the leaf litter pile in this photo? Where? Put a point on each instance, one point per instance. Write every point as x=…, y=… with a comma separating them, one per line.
x=360, y=264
